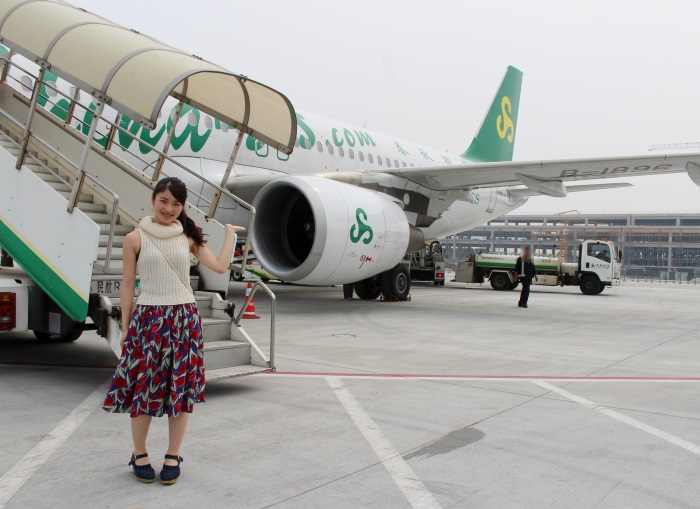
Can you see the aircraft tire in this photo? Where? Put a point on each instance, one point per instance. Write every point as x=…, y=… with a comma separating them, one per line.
x=368, y=289
x=396, y=283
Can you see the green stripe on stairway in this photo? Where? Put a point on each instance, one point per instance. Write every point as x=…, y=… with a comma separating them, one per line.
x=46, y=277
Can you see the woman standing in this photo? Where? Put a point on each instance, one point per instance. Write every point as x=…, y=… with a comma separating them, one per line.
x=161, y=370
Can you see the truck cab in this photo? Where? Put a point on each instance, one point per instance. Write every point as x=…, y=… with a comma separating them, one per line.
x=598, y=266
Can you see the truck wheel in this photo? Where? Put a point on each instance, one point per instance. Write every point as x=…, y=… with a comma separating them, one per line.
x=513, y=286
x=602, y=287
x=368, y=289
x=68, y=337
x=590, y=285
x=500, y=282
x=396, y=282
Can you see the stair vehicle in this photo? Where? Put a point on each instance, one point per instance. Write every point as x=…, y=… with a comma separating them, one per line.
x=598, y=266
x=428, y=264
x=78, y=96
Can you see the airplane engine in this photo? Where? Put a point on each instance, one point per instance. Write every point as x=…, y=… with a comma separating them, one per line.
x=317, y=231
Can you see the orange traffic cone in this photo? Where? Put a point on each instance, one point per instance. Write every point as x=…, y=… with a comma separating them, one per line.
x=249, y=312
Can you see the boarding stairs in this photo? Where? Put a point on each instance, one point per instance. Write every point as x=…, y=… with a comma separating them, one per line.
x=109, y=197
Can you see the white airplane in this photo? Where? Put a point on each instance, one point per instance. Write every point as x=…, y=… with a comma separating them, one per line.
x=349, y=203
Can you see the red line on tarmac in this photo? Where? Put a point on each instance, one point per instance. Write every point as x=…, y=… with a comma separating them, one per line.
x=487, y=377
x=52, y=365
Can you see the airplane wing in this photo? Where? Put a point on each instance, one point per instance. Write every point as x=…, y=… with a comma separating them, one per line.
x=546, y=177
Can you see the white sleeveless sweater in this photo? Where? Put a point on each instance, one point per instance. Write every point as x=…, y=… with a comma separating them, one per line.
x=160, y=285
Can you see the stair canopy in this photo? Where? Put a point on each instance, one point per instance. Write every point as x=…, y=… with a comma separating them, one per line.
x=135, y=74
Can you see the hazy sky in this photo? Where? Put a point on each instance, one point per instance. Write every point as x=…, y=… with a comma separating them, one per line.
x=600, y=78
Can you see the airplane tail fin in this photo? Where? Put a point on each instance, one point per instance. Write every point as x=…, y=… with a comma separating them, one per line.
x=495, y=139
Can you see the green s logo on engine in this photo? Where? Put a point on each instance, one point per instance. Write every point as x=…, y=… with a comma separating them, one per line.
x=358, y=231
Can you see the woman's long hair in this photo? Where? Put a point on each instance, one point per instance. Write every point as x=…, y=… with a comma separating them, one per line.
x=179, y=191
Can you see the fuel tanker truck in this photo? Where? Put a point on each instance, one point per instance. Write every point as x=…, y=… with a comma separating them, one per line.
x=598, y=266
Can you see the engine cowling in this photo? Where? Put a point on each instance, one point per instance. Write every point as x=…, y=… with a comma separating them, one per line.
x=317, y=231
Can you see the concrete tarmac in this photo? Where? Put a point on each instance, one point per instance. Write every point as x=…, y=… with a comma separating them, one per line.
x=457, y=399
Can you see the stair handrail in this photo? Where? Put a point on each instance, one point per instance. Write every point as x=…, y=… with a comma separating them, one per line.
x=96, y=116
x=273, y=306
x=115, y=197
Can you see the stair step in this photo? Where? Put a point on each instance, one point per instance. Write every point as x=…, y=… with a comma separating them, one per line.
x=104, y=239
x=61, y=188
x=100, y=217
x=234, y=371
x=224, y=354
x=119, y=229
x=117, y=253
x=86, y=207
x=215, y=329
x=84, y=198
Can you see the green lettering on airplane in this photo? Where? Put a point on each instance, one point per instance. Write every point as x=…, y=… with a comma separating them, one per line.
x=334, y=133
x=364, y=139
x=309, y=140
x=400, y=149
x=349, y=137
x=358, y=231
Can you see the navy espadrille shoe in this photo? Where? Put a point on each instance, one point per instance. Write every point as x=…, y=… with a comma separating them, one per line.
x=171, y=473
x=143, y=473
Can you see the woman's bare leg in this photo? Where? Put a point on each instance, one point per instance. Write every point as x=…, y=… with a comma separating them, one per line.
x=176, y=432
x=139, y=433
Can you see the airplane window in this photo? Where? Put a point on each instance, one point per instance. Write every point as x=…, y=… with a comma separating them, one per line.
x=224, y=127
x=27, y=83
x=351, y=153
x=403, y=164
x=370, y=158
x=388, y=162
x=52, y=91
x=208, y=122
x=319, y=146
x=412, y=165
x=361, y=155
x=379, y=160
x=303, y=142
x=191, y=119
x=329, y=147
x=296, y=142
x=341, y=152
x=396, y=163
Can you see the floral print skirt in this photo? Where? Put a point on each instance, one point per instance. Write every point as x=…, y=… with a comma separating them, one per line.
x=161, y=370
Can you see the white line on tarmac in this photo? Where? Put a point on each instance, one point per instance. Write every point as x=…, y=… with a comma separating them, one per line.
x=413, y=489
x=24, y=469
x=672, y=439
x=477, y=378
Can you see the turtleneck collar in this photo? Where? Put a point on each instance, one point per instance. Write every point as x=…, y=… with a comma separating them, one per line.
x=160, y=231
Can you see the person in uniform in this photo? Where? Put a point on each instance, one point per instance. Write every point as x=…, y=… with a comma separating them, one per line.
x=525, y=271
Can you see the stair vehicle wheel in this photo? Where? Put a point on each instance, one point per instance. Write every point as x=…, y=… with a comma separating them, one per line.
x=590, y=285
x=66, y=337
x=602, y=287
x=513, y=286
x=368, y=289
x=396, y=282
x=237, y=275
x=500, y=281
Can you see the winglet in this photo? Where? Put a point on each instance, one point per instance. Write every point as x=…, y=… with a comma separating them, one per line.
x=496, y=137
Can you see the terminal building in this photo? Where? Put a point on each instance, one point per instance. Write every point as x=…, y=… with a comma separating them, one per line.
x=653, y=246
